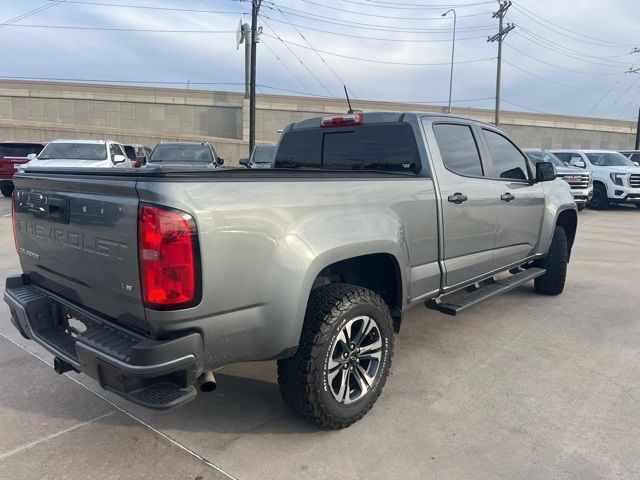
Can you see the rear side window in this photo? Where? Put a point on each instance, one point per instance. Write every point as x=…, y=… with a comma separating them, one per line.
x=507, y=159
x=385, y=146
x=458, y=149
x=19, y=149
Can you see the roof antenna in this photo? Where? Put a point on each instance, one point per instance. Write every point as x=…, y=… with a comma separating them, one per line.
x=348, y=101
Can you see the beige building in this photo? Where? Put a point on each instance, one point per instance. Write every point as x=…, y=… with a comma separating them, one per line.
x=42, y=111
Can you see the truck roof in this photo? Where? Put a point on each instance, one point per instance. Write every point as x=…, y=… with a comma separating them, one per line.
x=383, y=117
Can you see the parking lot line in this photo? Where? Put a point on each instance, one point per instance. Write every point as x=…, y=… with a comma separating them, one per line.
x=49, y=437
x=156, y=431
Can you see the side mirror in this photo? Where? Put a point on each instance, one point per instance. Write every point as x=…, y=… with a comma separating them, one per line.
x=545, y=172
x=244, y=162
x=580, y=164
x=636, y=164
x=32, y=156
x=119, y=159
x=219, y=161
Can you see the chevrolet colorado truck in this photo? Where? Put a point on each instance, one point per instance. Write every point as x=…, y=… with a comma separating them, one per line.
x=311, y=263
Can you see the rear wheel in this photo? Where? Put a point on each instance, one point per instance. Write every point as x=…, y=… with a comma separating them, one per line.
x=6, y=190
x=552, y=282
x=599, y=201
x=343, y=359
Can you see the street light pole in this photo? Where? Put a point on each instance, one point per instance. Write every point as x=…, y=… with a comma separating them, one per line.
x=453, y=51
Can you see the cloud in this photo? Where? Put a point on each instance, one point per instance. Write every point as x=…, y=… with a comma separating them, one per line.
x=563, y=56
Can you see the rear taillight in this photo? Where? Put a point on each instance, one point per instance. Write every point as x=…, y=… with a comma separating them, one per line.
x=342, y=120
x=14, y=221
x=169, y=258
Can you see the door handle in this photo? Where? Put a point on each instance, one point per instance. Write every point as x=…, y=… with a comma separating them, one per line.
x=457, y=198
x=507, y=197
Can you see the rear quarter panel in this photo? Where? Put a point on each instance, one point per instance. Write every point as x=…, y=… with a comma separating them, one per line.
x=264, y=242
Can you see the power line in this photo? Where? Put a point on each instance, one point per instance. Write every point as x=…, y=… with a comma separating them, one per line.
x=415, y=6
x=624, y=92
x=530, y=37
x=30, y=13
x=362, y=37
x=605, y=94
x=557, y=66
x=287, y=68
x=314, y=50
x=116, y=29
x=146, y=7
x=297, y=57
x=523, y=11
x=371, y=60
x=355, y=12
x=552, y=81
x=522, y=106
x=370, y=26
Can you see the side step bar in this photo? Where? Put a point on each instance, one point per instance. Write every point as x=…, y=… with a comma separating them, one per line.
x=470, y=299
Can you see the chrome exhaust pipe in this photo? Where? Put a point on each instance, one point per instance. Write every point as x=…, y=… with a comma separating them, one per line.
x=207, y=382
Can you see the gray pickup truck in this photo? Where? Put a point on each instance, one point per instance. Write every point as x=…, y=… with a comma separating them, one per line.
x=148, y=280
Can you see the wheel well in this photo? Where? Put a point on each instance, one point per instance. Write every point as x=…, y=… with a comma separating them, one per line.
x=379, y=272
x=568, y=220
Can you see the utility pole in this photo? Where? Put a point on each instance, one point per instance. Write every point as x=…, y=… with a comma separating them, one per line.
x=638, y=132
x=453, y=51
x=502, y=32
x=255, y=9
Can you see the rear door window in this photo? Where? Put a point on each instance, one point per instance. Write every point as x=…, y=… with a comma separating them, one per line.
x=458, y=149
x=19, y=149
x=508, y=161
x=384, y=147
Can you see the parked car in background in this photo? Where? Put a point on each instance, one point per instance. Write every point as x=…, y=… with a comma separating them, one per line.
x=138, y=154
x=80, y=153
x=261, y=157
x=312, y=262
x=12, y=155
x=579, y=181
x=185, y=154
x=616, y=179
x=633, y=155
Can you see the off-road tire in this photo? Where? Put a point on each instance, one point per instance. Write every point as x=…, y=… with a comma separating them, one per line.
x=6, y=190
x=599, y=200
x=552, y=282
x=302, y=377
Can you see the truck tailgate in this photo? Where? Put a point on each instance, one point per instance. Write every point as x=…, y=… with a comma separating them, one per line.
x=77, y=237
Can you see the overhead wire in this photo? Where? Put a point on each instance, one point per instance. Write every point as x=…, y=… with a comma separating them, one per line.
x=340, y=80
x=531, y=16
x=30, y=13
x=296, y=56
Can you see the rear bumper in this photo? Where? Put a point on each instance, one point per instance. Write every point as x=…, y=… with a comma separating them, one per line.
x=154, y=374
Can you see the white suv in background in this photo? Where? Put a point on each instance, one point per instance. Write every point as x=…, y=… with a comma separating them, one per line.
x=81, y=153
x=616, y=179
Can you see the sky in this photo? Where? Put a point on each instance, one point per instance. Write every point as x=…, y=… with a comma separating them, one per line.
x=566, y=57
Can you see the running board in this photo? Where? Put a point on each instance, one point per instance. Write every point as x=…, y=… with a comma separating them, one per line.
x=470, y=299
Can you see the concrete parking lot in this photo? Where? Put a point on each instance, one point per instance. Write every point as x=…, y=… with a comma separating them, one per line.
x=521, y=387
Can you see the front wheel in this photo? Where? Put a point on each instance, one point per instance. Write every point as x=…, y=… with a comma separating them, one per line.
x=343, y=359
x=555, y=263
x=599, y=200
